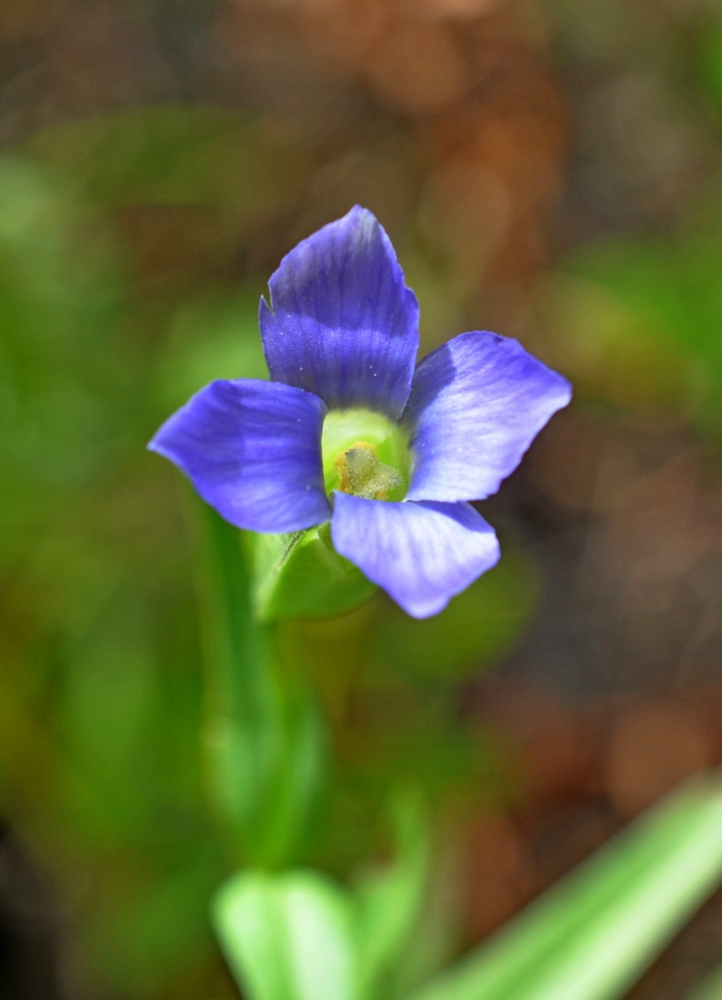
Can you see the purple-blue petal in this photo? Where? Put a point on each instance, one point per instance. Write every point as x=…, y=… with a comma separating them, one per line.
x=476, y=405
x=342, y=323
x=252, y=450
x=420, y=553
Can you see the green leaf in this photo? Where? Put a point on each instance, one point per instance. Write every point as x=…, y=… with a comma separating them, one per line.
x=299, y=936
x=591, y=935
x=288, y=936
x=301, y=576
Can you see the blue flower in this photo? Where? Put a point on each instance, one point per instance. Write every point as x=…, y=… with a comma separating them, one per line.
x=350, y=430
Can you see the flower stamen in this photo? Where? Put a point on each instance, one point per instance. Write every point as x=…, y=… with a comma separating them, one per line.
x=361, y=473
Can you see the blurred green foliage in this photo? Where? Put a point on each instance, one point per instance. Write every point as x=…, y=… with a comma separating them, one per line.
x=298, y=935
x=154, y=735
x=174, y=154
x=265, y=740
x=637, y=322
x=114, y=623
x=481, y=624
x=590, y=935
x=709, y=989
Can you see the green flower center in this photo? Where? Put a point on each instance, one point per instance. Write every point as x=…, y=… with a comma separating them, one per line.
x=366, y=454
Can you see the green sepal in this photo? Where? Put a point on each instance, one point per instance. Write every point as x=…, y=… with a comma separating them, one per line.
x=300, y=575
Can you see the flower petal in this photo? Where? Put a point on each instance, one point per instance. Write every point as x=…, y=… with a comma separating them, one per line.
x=252, y=450
x=421, y=553
x=476, y=405
x=344, y=325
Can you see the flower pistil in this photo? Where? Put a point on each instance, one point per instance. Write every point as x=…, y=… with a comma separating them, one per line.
x=362, y=473
x=365, y=454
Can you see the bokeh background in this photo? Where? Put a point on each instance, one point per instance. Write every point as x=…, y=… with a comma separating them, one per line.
x=549, y=169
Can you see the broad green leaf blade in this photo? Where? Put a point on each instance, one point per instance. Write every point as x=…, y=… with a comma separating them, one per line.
x=590, y=936
x=611, y=953
x=301, y=576
x=539, y=935
x=287, y=936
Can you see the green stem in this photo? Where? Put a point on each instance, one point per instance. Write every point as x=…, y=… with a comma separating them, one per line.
x=263, y=735
x=242, y=715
